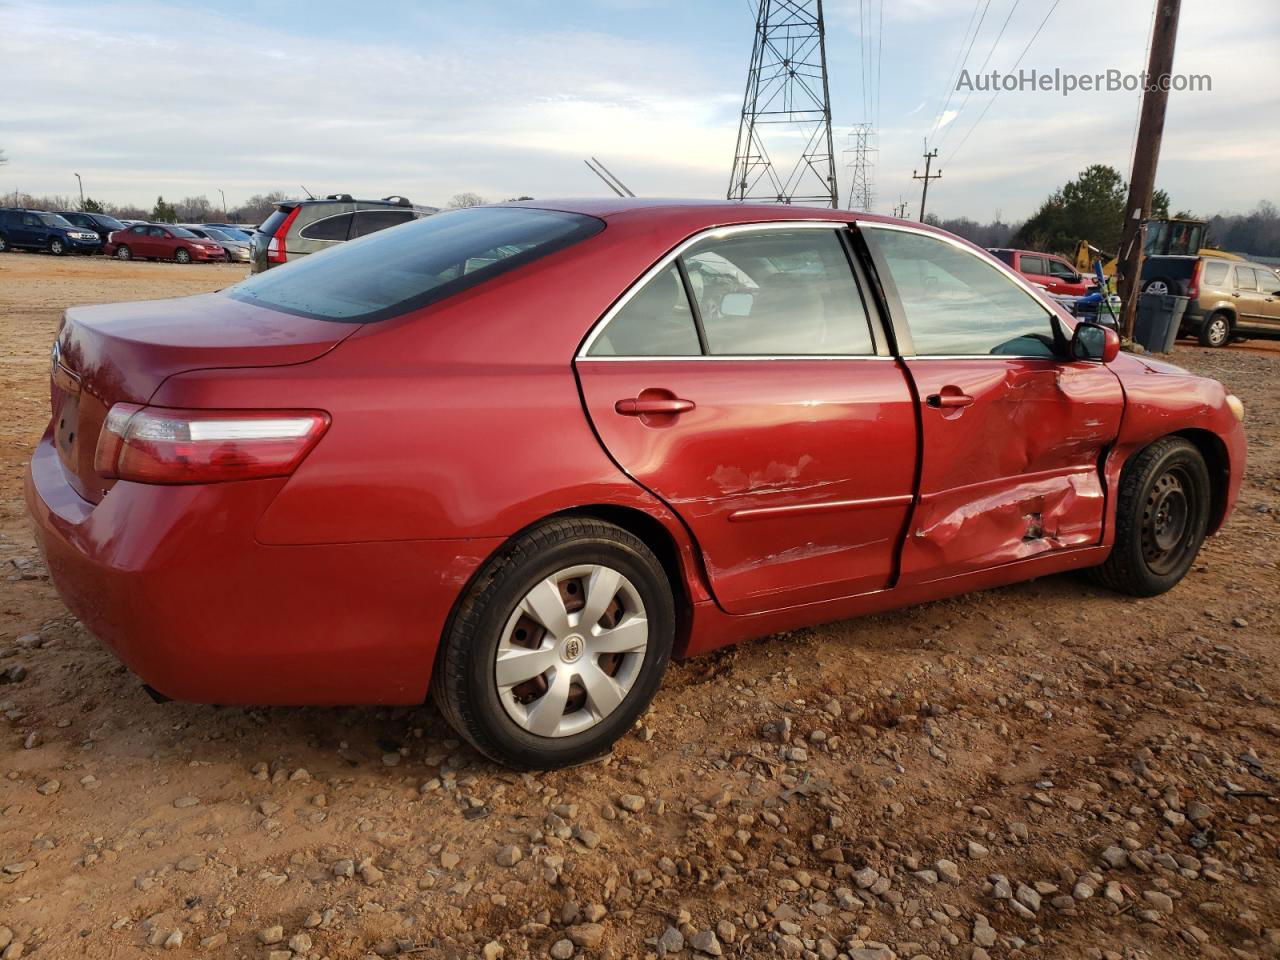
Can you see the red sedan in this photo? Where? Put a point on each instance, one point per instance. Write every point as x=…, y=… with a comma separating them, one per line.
x=161, y=241
x=521, y=455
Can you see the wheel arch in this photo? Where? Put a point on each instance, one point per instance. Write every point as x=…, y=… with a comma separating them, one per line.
x=675, y=558
x=1214, y=452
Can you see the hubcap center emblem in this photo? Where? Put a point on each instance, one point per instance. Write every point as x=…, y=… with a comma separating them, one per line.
x=572, y=648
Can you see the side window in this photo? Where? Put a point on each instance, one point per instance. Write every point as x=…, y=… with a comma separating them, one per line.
x=1215, y=274
x=1033, y=265
x=655, y=322
x=1244, y=279
x=1059, y=269
x=157, y=232
x=29, y=220
x=780, y=293
x=1268, y=282
x=371, y=221
x=956, y=303
x=140, y=230
x=330, y=228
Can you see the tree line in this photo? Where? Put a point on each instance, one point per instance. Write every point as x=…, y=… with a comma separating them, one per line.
x=1091, y=207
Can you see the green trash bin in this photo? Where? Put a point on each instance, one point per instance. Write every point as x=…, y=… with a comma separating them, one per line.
x=1158, y=320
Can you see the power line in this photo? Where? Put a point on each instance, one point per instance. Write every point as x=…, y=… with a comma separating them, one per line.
x=1013, y=69
x=879, y=60
x=955, y=73
x=968, y=93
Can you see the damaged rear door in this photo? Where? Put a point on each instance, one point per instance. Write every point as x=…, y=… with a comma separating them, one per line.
x=1012, y=432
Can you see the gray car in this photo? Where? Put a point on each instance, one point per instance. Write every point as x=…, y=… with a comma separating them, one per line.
x=238, y=247
x=300, y=227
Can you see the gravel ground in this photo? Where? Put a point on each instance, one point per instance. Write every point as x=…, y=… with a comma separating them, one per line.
x=1045, y=770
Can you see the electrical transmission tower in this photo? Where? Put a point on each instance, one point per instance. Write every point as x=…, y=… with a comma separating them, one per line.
x=787, y=102
x=862, y=169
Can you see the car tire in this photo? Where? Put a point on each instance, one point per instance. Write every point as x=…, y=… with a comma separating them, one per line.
x=182, y=255
x=1162, y=515
x=123, y=253
x=1158, y=285
x=57, y=247
x=586, y=684
x=1216, y=330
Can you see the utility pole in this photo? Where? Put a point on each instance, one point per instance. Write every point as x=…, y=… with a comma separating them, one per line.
x=1146, y=155
x=81, y=182
x=924, y=196
x=224, y=203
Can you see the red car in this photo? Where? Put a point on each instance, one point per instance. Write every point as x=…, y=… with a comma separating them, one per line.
x=1056, y=274
x=521, y=455
x=161, y=241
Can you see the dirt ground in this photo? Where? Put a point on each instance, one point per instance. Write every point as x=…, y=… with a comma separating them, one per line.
x=1046, y=770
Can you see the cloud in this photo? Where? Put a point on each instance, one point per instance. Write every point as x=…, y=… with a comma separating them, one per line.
x=155, y=98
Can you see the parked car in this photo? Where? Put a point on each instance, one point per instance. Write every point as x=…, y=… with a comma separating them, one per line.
x=1229, y=299
x=236, y=248
x=299, y=227
x=99, y=223
x=22, y=229
x=162, y=241
x=521, y=455
x=1056, y=274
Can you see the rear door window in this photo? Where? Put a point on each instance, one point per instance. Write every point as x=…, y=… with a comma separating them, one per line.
x=334, y=229
x=1215, y=274
x=656, y=322
x=390, y=273
x=778, y=293
x=371, y=221
x=1245, y=279
x=1033, y=265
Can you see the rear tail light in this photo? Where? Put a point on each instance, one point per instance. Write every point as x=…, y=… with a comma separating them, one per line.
x=157, y=445
x=1193, y=288
x=276, y=252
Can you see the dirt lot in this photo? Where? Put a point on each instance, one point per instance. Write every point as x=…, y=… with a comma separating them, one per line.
x=1046, y=770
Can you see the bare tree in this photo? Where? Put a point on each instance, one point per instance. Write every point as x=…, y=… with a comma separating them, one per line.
x=460, y=201
x=195, y=209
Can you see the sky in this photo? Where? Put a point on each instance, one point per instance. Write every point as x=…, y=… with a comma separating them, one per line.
x=432, y=98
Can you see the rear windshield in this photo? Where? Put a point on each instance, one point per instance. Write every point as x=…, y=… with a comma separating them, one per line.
x=111, y=223
x=181, y=232
x=272, y=223
x=53, y=220
x=394, y=271
x=1005, y=255
x=1172, y=268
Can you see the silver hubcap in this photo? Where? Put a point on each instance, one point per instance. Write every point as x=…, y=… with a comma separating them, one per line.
x=1218, y=332
x=571, y=651
x=1157, y=286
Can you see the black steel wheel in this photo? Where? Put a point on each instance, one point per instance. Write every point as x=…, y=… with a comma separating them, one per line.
x=1162, y=515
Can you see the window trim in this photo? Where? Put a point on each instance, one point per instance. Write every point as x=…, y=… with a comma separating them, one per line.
x=333, y=216
x=897, y=313
x=875, y=322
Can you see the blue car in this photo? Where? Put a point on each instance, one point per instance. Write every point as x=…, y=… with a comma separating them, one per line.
x=22, y=229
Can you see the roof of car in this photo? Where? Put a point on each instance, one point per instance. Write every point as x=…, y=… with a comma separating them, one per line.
x=708, y=212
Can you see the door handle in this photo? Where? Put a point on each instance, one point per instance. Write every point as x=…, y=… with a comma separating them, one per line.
x=645, y=406
x=948, y=401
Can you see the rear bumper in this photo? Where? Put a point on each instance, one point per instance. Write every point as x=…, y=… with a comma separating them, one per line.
x=174, y=582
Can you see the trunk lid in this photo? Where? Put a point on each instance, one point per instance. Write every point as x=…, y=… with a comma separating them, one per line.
x=122, y=352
